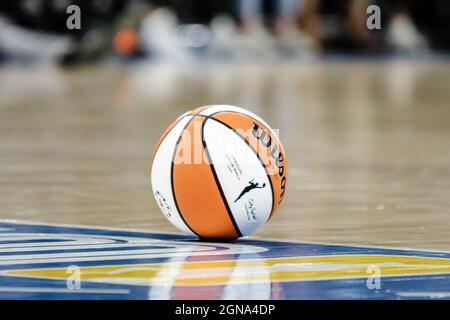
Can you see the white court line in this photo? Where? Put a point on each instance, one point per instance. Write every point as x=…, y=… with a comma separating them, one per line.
x=56, y=290
x=429, y=294
x=94, y=227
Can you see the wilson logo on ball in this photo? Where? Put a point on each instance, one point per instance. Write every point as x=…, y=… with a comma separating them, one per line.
x=266, y=140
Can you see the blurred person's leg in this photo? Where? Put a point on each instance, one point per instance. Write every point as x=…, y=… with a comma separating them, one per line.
x=343, y=25
x=291, y=37
x=357, y=17
x=333, y=16
x=285, y=14
x=287, y=10
x=252, y=39
x=225, y=28
x=308, y=19
x=249, y=12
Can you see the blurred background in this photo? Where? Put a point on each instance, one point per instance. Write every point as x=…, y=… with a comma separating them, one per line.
x=33, y=30
x=363, y=114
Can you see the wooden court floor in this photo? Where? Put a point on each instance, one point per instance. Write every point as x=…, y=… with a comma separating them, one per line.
x=368, y=144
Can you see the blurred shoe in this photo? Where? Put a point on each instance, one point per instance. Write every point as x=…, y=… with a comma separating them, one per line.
x=292, y=42
x=223, y=42
x=36, y=30
x=403, y=35
x=20, y=44
x=255, y=42
x=160, y=38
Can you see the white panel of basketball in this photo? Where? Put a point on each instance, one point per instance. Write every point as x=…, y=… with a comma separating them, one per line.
x=241, y=175
x=161, y=176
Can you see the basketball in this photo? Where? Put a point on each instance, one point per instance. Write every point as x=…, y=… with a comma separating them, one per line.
x=219, y=172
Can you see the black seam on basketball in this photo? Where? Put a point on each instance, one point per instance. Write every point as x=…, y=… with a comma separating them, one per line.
x=172, y=164
x=237, y=112
x=171, y=177
x=193, y=115
x=257, y=155
x=216, y=178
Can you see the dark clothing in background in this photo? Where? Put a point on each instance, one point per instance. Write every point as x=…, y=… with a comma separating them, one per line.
x=334, y=20
x=433, y=20
x=48, y=16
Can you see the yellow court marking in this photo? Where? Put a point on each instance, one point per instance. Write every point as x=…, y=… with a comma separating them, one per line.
x=251, y=270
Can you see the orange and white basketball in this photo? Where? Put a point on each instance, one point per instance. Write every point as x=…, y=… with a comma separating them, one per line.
x=219, y=172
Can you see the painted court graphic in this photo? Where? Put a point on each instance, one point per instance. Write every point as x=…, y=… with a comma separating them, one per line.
x=39, y=261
